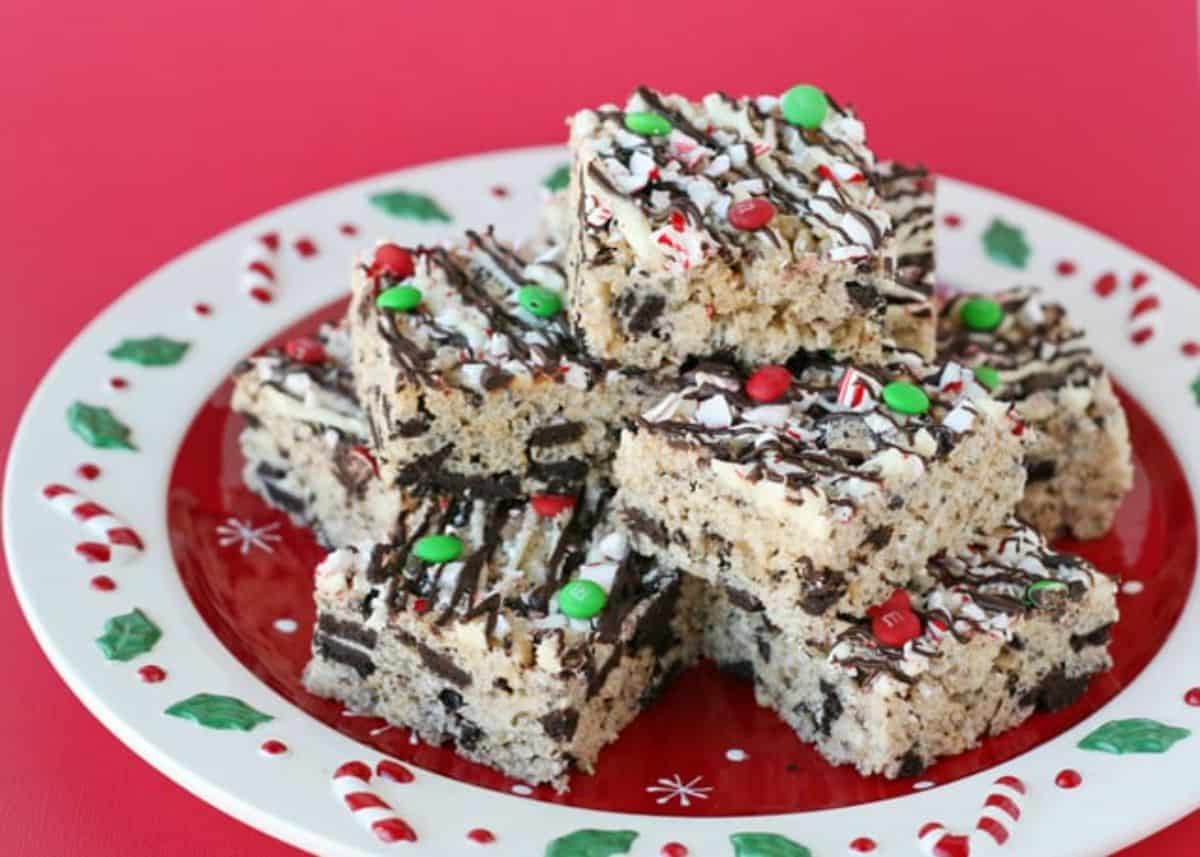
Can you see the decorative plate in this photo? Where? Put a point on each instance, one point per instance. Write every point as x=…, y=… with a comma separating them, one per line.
x=177, y=605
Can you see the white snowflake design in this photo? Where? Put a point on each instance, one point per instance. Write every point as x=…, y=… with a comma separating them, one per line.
x=245, y=535
x=675, y=787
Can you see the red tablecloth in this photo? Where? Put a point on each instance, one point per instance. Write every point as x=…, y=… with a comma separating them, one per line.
x=130, y=131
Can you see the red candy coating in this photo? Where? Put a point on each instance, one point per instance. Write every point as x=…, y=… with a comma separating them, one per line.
x=768, y=383
x=893, y=622
x=393, y=259
x=549, y=505
x=305, y=349
x=750, y=214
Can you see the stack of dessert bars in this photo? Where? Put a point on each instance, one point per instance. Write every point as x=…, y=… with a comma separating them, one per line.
x=719, y=412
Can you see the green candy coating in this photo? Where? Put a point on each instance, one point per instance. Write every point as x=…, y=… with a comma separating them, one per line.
x=438, y=549
x=982, y=314
x=399, y=298
x=804, y=105
x=987, y=376
x=647, y=124
x=905, y=398
x=542, y=302
x=582, y=599
x=1041, y=588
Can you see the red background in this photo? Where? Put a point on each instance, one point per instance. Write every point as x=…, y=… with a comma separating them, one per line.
x=129, y=131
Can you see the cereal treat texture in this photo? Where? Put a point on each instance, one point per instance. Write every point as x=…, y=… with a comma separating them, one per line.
x=911, y=320
x=821, y=491
x=1000, y=630
x=305, y=444
x=467, y=369
x=718, y=226
x=527, y=635
x=1080, y=463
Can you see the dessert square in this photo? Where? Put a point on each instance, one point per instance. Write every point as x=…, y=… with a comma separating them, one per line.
x=724, y=226
x=818, y=492
x=911, y=310
x=1080, y=462
x=305, y=441
x=525, y=634
x=466, y=368
x=1002, y=629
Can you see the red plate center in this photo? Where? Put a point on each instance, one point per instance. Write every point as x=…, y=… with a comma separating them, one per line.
x=706, y=748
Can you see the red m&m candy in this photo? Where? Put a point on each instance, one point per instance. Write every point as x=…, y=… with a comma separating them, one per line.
x=893, y=622
x=768, y=383
x=753, y=213
x=394, y=260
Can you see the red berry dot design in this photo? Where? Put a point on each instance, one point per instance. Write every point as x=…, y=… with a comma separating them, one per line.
x=305, y=247
x=1190, y=348
x=118, y=383
x=1068, y=779
x=1105, y=284
x=952, y=220
x=88, y=471
x=152, y=674
x=1139, y=279
x=1065, y=268
x=499, y=191
x=202, y=309
x=481, y=835
x=348, y=229
x=260, y=294
x=673, y=849
x=272, y=747
x=1192, y=697
x=103, y=583
x=1141, y=336
x=863, y=845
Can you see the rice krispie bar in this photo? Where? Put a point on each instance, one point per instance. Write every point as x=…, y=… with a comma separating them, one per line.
x=723, y=225
x=821, y=492
x=1080, y=462
x=526, y=635
x=911, y=319
x=465, y=365
x=305, y=441
x=1004, y=628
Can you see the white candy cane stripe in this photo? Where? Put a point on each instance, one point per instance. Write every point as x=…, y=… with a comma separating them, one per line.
x=1001, y=811
x=854, y=391
x=121, y=543
x=259, y=267
x=352, y=785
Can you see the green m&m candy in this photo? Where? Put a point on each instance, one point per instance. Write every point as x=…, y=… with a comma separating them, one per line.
x=542, y=302
x=987, y=376
x=905, y=398
x=647, y=124
x=437, y=549
x=1043, y=592
x=981, y=314
x=804, y=105
x=399, y=298
x=582, y=599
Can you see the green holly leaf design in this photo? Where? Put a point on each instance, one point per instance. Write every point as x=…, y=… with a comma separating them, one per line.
x=1006, y=244
x=1196, y=389
x=98, y=427
x=151, y=351
x=592, y=843
x=218, y=712
x=413, y=206
x=1135, y=735
x=559, y=179
x=125, y=637
x=766, y=845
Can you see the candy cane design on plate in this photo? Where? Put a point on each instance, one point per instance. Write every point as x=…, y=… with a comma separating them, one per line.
x=1001, y=811
x=259, y=267
x=352, y=784
x=120, y=542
